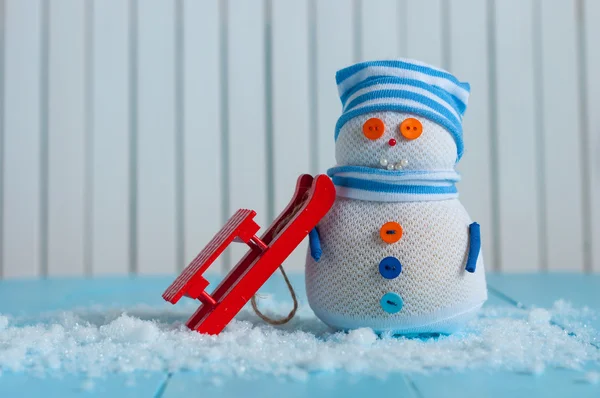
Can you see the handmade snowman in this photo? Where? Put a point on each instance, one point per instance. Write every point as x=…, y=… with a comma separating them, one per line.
x=397, y=252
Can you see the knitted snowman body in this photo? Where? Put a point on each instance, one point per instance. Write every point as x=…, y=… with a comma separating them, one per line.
x=398, y=251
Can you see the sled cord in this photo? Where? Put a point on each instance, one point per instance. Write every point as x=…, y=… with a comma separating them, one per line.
x=289, y=317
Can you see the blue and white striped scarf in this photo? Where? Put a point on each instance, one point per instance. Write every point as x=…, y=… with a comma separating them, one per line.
x=380, y=185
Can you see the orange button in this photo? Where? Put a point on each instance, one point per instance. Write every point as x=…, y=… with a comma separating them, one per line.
x=391, y=232
x=373, y=128
x=411, y=128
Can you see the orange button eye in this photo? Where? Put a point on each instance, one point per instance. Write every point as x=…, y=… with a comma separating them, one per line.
x=373, y=128
x=411, y=128
x=390, y=232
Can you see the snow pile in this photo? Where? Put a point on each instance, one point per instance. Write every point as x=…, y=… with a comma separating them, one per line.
x=97, y=341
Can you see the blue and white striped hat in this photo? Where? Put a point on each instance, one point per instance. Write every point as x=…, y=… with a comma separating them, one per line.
x=403, y=86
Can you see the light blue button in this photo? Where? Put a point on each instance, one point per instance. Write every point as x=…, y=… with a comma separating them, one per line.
x=391, y=303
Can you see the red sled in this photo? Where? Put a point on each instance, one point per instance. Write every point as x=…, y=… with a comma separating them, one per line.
x=312, y=200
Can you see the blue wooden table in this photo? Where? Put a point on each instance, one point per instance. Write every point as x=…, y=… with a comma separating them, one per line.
x=39, y=296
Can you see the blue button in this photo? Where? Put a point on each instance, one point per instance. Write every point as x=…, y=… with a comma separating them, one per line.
x=391, y=303
x=390, y=267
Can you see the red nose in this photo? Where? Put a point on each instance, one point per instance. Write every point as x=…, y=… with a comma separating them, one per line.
x=392, y=142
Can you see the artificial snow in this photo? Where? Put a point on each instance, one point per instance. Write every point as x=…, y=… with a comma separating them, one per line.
x=99, y=341
x=3, y=322
x=539, y=316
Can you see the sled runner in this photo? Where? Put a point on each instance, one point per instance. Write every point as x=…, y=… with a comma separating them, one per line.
x=311, y=201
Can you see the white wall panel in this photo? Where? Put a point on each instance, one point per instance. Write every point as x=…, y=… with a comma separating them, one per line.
x=562, y=136
x=591, y=13
x=156, y=213
x=468, y=61
x=334, y=51
x=247, y=138
x=424, y=31
x=518, y=196
x=21, y=248
x=291, y=134
x=110, y=240
x=201, y=127
x=67, y=138
x=380, y=29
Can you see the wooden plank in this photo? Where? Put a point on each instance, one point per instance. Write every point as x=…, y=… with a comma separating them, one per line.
x=480, y=383
x=67, y=137
x=545, y=289
x=110, y=243
x=2, y=53
x=76, y=385
x=201, y=120
x=334, y=51
x=247, y=138
x=562, y=136
x=291, y=130
x=156, y=137
x=327, y=384
x=424, y=31
x=379, y=27
x=469, y=59
x=21, y=167
x=519, y=227
x=591, y=14
x=124, y=291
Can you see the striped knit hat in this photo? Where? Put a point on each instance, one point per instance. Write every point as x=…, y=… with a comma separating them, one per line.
x=403, y=86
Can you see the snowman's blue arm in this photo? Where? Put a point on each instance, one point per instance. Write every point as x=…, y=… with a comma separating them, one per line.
x=315, y=244
x=474, y=247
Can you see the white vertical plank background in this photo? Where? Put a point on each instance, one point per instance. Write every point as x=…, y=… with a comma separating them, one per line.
x=517, y=146
x=66, y=138
x=156, y=137
x=380, y=30
x=591, y=14
x=334, y=51
x=247, y=148
x=246, y=145
x=424, y=31
x=110, y=128
x=2, y=53
x=202, y=138
x=290, y=106
x=469, y=61
x=21, y=246
x=562, y=136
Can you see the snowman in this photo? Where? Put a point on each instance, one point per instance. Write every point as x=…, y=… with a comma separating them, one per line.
x=397, y=252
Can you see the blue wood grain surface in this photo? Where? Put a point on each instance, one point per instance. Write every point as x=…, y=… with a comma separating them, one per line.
x=31, y=297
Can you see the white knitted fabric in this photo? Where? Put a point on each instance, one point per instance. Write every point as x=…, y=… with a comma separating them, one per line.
x=435, y=149
x=345, y=287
